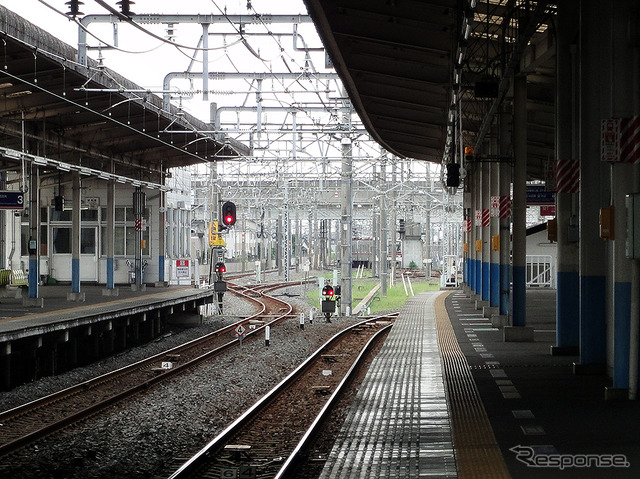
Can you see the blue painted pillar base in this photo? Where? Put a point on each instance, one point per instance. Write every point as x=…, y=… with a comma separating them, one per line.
x=110, y=280
x=519, y=312
x=485, y=281
x=160, y=268
x=34, y=277
x=593, y=346
x=75, y=275
x=494, y=289
x=465, y=271
x=472, y=274
x=568, y=310
x=505, y=274
x=478, y=277
x=621, y=335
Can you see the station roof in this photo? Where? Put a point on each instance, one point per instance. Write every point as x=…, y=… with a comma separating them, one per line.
x=90, y=115
x=398, y=60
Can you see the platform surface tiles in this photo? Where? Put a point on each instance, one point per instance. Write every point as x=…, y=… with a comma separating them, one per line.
x=398, y=425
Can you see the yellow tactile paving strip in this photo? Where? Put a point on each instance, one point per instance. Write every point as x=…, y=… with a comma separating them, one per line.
x=477, y=452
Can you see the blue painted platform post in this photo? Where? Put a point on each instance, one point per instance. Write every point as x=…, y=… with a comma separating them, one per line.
x=75, y=233
x=485, y=201
x=505, y=121
x=34, y=231
x=567, y=260
x=161, y=233
x=593, y=174
x=567, y=309
x=621, y=335
x=494, y=232
x=519, y=297
x=110, y=231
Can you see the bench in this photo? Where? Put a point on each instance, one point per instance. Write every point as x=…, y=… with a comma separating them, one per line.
x=5, y=277
x=19, y=278
x=15, y=277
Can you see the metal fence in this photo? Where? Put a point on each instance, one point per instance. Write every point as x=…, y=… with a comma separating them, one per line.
x=540, y=271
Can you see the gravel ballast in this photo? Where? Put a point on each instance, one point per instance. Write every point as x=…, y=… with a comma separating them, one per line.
x=139, y=438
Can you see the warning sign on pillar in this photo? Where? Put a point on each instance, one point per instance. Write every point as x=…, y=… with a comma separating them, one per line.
x=505, y=206
x=495, y=206
x=568, y=176
x=485, y=217
x=610, y=140
x=182, y=268
x=630, y=140
x=478, y=221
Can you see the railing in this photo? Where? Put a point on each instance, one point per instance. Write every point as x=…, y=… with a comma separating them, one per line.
x=540, y=271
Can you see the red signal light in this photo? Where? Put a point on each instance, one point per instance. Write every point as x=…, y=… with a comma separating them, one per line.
x=229, y=213
x=327, y=291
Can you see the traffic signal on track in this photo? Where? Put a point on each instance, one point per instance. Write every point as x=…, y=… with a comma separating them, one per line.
x=229, y=213
x=327, y=291
x=220, y=268
x=453, y=175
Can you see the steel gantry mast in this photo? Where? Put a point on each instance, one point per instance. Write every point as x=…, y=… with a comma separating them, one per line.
x=309, y=156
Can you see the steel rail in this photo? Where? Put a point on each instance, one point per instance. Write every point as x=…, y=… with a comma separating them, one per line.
x=202, y=456
x=303, y=445
x=141, y=365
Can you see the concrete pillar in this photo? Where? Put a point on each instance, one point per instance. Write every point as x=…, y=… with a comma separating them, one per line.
x=494, y=230
x=75, y=234
x=623, y=88
x=594, y=184
x=568, y=284
x=346, y=225
x=471, y=180
x=394, y=226
x=162, y=206
x=110, y=230
x=485, y=201
x=477, y=191
x=34, y=232
x=505, y=223
x=384, y=231
x=519, y=210
x=279, y=240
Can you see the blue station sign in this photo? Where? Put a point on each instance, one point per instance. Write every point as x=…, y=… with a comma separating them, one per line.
x=537, y=195
x=11, y=200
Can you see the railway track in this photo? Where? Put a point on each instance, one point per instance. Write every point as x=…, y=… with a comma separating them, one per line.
x=32, y=421
x=271, y=437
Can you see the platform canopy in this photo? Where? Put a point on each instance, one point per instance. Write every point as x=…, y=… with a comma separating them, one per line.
x=415, y=69
x=91, y=116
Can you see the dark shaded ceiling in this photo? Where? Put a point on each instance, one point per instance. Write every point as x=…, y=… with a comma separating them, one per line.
x=398, y=60
x=89, y=116
x=394, y=58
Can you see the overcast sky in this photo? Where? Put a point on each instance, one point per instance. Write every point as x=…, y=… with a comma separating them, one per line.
x=146, y=60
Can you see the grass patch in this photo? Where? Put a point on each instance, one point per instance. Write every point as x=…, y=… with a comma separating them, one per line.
x=395, y=298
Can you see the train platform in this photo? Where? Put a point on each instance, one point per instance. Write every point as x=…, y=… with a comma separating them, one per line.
x=56, y=308
x=465, y=403
x=57, y=334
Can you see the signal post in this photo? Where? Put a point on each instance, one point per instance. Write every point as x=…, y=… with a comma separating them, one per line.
x=217, y=245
